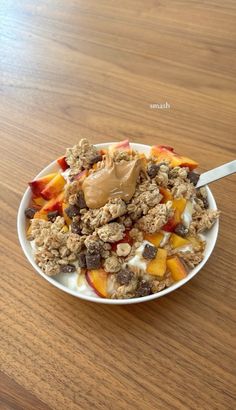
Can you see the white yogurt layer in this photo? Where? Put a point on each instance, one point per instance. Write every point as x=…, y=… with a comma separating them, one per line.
x=187, y=214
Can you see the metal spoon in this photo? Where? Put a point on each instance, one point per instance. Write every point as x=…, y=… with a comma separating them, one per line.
x=216, y=173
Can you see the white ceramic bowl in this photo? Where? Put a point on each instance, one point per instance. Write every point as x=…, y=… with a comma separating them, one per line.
x=210, y=237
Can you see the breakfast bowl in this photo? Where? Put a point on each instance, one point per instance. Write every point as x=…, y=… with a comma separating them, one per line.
x=69, y=281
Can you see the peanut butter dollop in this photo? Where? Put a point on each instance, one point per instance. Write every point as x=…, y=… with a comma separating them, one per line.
x=115, y=180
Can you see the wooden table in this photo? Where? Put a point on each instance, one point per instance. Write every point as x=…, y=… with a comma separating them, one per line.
x=90, y=68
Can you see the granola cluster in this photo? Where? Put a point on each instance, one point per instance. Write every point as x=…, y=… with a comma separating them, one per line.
x=115, y=236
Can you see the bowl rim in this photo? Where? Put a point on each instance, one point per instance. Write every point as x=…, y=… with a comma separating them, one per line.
x=29, y=255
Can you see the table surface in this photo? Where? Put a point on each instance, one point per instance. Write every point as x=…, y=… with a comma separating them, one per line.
x=87, y=68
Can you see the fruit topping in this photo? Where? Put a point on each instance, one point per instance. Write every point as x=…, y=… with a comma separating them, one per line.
x=97, y=279
x=157, y=266
x=176, y=268
x=62, y=162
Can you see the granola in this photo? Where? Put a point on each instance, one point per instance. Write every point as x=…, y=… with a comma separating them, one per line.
x=144, y=235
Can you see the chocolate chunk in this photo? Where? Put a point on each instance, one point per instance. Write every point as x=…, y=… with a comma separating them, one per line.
x=153, y=170
x=52, y=215
x=149, y=251
x=72, y=210
x=67, y=268
x=124, y=276
x=193, y=177
x=82, y=260
x=80, y=201
x=143, y=289
x=181, y=230
x=94, y=247
x=29, y=213
x=93, y=261
x=75, y=228
x=95, y=159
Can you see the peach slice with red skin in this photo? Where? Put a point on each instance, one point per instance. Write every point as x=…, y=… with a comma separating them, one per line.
x=54, y=204
x=38, y=185
x=176, y=268
x=62, y=162
x=97, y=279
x=119, y=146
x=54, y=187
x=166, y=153
x=38, y=201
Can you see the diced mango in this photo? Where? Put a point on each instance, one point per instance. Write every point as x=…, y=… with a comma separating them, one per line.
x=64, y=228
x=54, y=187
x=154, y=238
x=177, y=241
x=166, y=153
x=157, y=266
x=38, y=185
x=176, y=268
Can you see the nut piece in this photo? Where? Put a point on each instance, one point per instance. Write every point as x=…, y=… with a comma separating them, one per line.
x=149, y=251
x=123, y=249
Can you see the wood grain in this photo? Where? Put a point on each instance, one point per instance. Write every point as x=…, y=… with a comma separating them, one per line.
x=87, y=68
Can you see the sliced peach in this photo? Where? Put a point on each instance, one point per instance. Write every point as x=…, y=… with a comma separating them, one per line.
x=62, y=162
x=176, y=268
x=41, y=215
x=154, y=238
x=166, y=153
x=97, y=279
x=55, y=204
x=119, y=146
x=157, y=266
x=54, y=187
x=167, y=196
x=177, y=241
x=38, y=201
x=38, y=185
x=64, y=214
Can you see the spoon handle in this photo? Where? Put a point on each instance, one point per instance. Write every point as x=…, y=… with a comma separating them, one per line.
x=216, y=173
